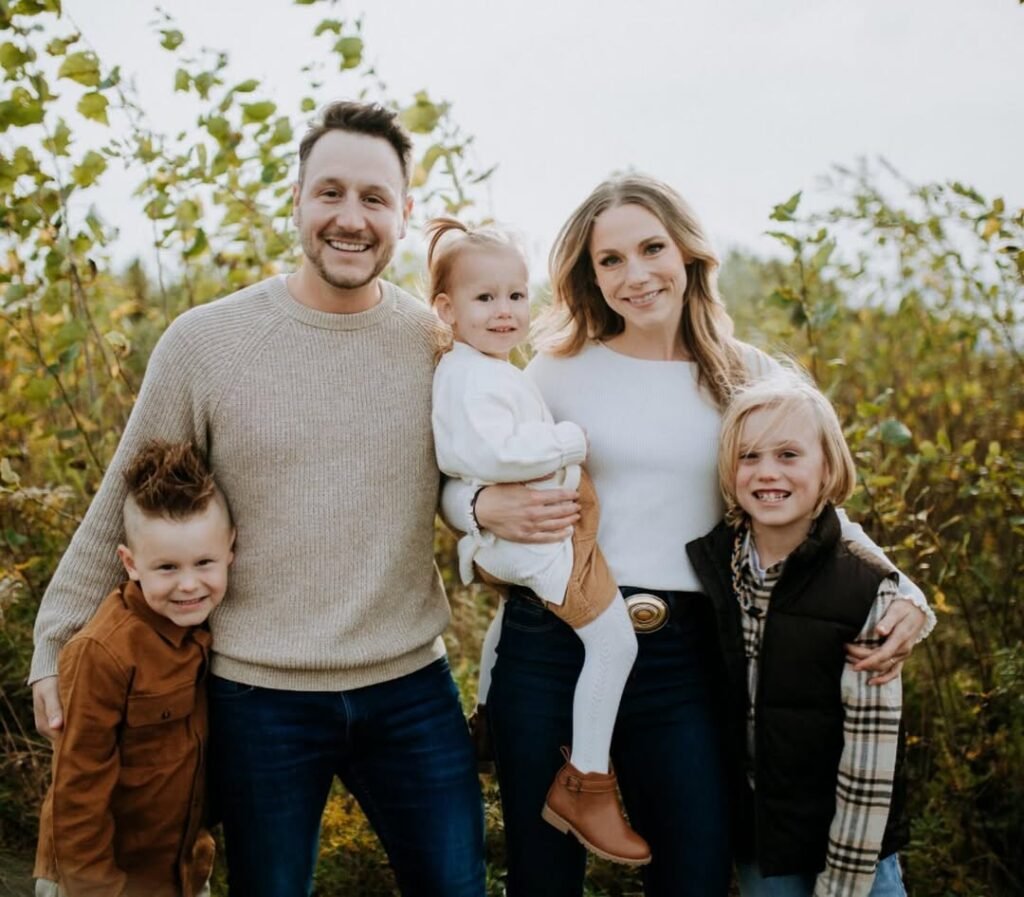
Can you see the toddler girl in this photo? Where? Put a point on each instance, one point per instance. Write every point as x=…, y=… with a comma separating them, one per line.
x=492, y=426
x=817, y=773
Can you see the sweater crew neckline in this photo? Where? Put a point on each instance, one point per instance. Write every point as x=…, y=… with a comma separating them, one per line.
x=323, y=320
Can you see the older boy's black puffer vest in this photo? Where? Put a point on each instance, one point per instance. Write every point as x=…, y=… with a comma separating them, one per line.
x=819, y=604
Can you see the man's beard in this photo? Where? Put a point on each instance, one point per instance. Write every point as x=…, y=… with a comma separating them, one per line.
x=313, y=249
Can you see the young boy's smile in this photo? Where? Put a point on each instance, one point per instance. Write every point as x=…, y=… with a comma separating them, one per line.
x=780, y=474
x=181, y=566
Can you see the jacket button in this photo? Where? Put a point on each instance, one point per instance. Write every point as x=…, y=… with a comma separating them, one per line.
x=165, y=715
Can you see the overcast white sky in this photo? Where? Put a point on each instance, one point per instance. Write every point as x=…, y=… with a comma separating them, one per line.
x=738, y=103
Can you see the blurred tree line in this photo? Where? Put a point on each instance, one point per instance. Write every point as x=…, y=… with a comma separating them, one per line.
x=904, y=300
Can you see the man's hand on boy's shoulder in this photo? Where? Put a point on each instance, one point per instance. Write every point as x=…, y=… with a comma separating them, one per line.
x=47, y=707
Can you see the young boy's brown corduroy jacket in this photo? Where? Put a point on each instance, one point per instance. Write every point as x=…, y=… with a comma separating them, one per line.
x=124, y=813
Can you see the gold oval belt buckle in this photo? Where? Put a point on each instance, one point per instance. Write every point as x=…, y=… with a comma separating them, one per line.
x=648, y=612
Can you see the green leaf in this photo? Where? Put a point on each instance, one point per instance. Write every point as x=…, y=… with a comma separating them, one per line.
x=82, y=67
x=282, y=132
x=791, y=241
x=422, y=116
x=7, y=473
x=21, y=110
x=821, y=257
x=95, y=225
x=172, y=39
x=781, y=298
x=145, y=151
x=431, y=156
x=24, y=162
x=246, y=86
x=113, y=78
x=308, y=104
x=119, y=342
x=199, y=245
x=89, y=169
x=94, y=106
x=59, y=45
x=203, y=82
x=14, y=537
x=257, y=112
x=784, y=211
x=69, y=356
x=38, y=390
x=332, y=25
x=188, y=213
x=893, y=432
x=219, y=128
x=157, y=207
x=351, y=51
x=182, y=80
x=13, y=58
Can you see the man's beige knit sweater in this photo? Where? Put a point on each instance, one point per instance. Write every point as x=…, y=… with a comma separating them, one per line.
x=317, y=428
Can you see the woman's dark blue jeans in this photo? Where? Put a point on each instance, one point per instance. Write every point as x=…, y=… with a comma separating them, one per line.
x=666, y=751
x=400, y=747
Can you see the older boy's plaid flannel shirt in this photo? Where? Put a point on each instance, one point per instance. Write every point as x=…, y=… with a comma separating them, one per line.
x=870, y=733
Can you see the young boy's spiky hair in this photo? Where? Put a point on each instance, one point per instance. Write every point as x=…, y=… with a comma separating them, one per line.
x=170, y=480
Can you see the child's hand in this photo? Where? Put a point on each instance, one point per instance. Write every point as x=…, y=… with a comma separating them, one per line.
x=517, y=513
x=46, y=706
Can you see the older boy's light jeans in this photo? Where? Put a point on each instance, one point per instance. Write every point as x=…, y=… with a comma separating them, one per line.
x=888, y=882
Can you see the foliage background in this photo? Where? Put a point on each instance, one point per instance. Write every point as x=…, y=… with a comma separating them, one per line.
x=903, y=299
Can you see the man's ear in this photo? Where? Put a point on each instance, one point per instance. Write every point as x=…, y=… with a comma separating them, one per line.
x=406, y=212
x=295, y=203
x=125, y=554
x=444, y=309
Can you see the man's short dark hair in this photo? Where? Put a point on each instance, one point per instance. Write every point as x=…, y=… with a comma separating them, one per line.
x=371, y=119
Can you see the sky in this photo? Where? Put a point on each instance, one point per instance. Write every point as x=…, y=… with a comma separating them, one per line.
x=736, y=103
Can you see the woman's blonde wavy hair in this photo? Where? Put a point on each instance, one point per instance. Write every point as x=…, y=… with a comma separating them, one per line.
x=579, y=313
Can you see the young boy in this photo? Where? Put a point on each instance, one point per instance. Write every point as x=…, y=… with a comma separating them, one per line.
x=818, y=779
x=124, y=812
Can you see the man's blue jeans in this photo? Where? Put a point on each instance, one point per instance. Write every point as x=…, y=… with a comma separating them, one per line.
x=401, y=748
x=666, y=752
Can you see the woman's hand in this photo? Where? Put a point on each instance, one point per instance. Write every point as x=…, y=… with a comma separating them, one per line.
x=900, y=627
x=517, y=513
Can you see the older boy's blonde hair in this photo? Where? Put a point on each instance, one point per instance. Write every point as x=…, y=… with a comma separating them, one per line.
x=784, y=392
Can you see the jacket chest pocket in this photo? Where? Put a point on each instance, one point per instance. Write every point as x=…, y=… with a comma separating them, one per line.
x=158, y=728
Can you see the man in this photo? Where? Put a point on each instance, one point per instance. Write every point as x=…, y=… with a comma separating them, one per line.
x=310, y=396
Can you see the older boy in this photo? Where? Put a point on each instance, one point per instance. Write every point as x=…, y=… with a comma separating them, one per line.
x=124, y=812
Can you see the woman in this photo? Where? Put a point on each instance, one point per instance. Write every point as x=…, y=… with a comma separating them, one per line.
x=637, y=349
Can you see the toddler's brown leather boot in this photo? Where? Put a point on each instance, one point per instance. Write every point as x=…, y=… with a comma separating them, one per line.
x=586, y=804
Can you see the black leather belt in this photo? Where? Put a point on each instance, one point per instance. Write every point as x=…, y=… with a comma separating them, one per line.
x=649, y=609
